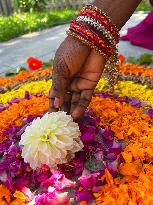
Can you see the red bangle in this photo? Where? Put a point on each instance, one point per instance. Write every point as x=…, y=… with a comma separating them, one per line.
x=92, y=36
x=102, y=16
x=101, y=20
x=96, y=30
x=98, y=11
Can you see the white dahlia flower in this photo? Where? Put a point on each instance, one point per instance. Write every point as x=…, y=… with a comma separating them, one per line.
x=50, y=140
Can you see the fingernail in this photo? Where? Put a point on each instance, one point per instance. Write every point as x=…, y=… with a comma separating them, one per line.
x=56, y=103
x=75, y=116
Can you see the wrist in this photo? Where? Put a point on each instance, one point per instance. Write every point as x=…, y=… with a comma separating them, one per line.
x=118, y=10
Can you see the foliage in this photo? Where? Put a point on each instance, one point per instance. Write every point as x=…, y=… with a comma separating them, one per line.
x=144, y=6
x=144, y=59
x=49, y=63
x=30, y=5
x=22, y=23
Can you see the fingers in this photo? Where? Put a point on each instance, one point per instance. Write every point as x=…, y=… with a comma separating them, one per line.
x=75, y=101
x=51, y=101
x=80, y=102
x=60, y=84
x=67, y=103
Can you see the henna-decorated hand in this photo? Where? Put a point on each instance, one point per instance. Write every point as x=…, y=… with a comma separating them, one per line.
x=77, y=70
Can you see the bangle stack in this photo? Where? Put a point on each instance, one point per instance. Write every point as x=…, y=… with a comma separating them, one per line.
x=95, y=29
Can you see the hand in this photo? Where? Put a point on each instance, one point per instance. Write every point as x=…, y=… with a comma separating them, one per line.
x=77, y=70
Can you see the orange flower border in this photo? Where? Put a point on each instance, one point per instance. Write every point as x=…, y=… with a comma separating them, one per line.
x=15, y=114
x=136, y=128
x=137, y=70
x=23, y=77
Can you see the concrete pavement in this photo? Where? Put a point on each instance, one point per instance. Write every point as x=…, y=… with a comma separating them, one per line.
x=43, y=45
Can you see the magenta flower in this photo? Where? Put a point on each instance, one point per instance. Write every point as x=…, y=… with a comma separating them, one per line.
x=14, y=100
x=88, y=180
x=27, y=192
x=150, y=113
x=3, y=107
x=27, y=95
x=84, y=195
x=113, y=167
x=58, y=181
x=107, y=133
x=52, y=198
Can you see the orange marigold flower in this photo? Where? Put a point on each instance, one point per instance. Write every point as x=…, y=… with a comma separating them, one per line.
x=83, y=203
x=23, y=76
x=136, y=70
x=131, y=169
x=17, y=112
x=133, y=191
x=5, y=195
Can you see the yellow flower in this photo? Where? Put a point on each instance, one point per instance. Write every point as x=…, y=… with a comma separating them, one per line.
x=20, y=199
x=129, y=88
x=33, y=87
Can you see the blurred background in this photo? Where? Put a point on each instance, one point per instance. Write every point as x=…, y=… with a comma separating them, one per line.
x=37, y=27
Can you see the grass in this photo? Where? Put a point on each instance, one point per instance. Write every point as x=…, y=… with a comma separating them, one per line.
x=22, y=23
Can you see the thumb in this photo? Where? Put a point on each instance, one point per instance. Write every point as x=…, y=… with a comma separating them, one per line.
x=60, y=84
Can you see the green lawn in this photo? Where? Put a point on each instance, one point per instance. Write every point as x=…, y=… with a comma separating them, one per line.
x=22, y=23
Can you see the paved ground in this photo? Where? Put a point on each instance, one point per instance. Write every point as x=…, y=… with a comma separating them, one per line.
x=44, y=44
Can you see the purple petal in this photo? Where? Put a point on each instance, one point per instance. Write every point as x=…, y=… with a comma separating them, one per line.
x=12, y=129
x=27, y=95
x=84, y=196
x=150, y=113
x=30, y=118
x=116, y=148
x=88, y=136
x=113, y=168
x=2, y=107
x=88, y=180
x=21, y=182
x=111, y=156
x=14, y=100
x=80, y=156
x=107, y=133
x=104, y=94
x=22, y=130
x=134, y=102
x=79, y=166
x=121, y=159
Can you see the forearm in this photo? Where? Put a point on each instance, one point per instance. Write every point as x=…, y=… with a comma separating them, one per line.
x=119, y=10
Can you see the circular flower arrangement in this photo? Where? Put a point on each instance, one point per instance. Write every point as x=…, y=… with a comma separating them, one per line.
x=47, y=159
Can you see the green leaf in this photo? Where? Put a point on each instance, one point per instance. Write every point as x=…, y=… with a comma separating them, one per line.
x=10, y=73
x=20, y=69
x=132, y=60
x=49, y=63
x=145, y=59
x=15, y=72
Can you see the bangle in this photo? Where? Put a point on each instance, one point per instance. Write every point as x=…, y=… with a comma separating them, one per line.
x=100, y=16
x=93, y=37
x=107, y=18
x=95, y=29
x=104, y=31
